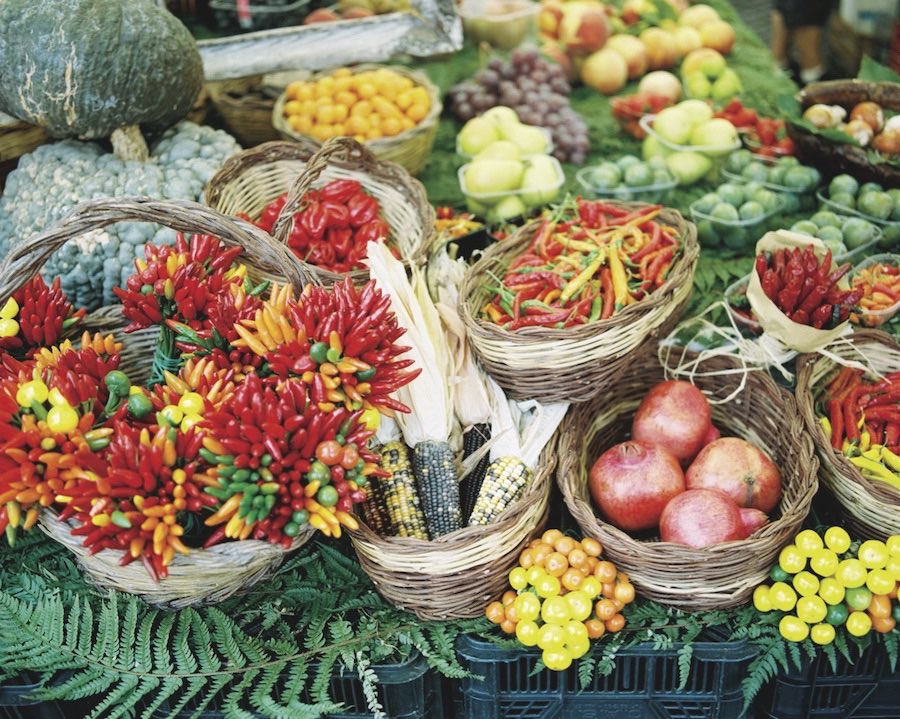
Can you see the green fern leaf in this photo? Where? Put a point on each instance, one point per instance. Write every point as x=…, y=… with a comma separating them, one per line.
x=232, y=707
x=146, y=684
x=85, y=683
x=170, y=685
x=685, y=654
x=162, y=661
x=202, y=643
x=143, y=643
x=129, y=630
x=127, y=684
x=586, y=666
x=891, y=643
x=108, y=645
x=190, y=689
x=297, y=672
x=185, y=661
x=223, y=632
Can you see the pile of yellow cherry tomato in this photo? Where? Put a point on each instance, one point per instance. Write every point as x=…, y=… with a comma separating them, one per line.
x=563, y=595
x=366, y=105
x=824, y=581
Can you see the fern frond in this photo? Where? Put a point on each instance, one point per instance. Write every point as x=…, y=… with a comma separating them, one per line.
x=170, y=685
x=685, y=654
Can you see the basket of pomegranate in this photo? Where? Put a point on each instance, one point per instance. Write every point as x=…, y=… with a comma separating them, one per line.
x=692, y=487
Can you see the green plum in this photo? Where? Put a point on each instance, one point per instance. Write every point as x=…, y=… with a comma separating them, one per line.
x=858, y=232
x=843, y=183
x=732, y=193
x=825, y=218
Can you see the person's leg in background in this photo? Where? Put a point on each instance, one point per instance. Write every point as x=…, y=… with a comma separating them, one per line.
x=798, y=24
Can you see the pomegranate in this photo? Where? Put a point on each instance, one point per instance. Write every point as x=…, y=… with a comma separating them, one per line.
x=631, y=482
x=740, y=470
x=712, y=434
x=701, y=517
x=753, y=519
x=674, y=415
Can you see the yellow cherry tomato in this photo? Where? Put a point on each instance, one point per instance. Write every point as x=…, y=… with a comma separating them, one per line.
x=880, y=581
x=824, y=562
x=189, y=420
x=547, y=586
x=791, y=559
x=575, y=631
x=518, y=578
x=859, y=624
x=580, y=605
x=10, y=309
x=893, y=544
x=793, y=628
x=831, y=590
x=761, y=598
x=172, y=414
x=556, y=610
x=535, y=574
x=873, y=553
x=822, y=634
x=808, y=541
x=56, y=398
x=528, y=606
x=557, y=660
x=527, y=632
x=806, y=583
x=591, y=586
x=191, y=403
x=33, y=391
x=62, y=418
x=782, y=596
x=851, y=573
x=837, y=539
x=8, y=328
x=578, y=647
x=551, y=636
x=811, y=610
x=893, y=567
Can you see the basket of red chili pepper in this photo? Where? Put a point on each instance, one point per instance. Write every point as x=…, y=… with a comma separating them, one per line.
x=193, y=487
x=556, y=311
x=326, y=203
x=854, y=418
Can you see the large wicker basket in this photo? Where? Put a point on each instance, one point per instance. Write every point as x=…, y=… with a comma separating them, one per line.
x=246, y=110
x=250, y=180
x=409, y=149
x=457, y=575
x=715, y=577
x=553, y=365
x=871, y=508
x=205, y=575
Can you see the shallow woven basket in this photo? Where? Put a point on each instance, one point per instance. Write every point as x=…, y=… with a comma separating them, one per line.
x=553, y=365
x=409, y=149
x=872, y=509
x=250, y=180
x=715, y=577
x=204, y=576
x=245, y=109
x=458, y=574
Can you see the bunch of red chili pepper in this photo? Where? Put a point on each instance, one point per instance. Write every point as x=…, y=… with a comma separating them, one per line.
x=805, y=288
x=880, y=283
x=333, y=227
x=862, y=419
x=35, y=316
x=587, y=261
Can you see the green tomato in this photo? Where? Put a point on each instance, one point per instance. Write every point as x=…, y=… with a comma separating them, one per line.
x=319, y=352
x=117, y=383
x=139, y=405
x=319, y=472
x=327, y=496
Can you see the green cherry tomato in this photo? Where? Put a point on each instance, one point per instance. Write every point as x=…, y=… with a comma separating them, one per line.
x=837, y=614
x=62, y=418
x=290, y=529
x=319, y=472
x=139, y=405
x=327, y=496
x=319, y=352
x=777, y=574
x=117, y=382
x=301, y=516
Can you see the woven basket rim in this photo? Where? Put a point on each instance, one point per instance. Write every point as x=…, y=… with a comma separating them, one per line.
x=838, y=467
x=683, y=567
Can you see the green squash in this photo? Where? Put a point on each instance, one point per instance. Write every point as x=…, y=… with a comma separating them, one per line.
x=87, y=68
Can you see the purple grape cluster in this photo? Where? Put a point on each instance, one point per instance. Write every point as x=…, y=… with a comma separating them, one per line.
x=537, y=89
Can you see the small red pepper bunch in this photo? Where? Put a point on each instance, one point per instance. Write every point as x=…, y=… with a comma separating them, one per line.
x=880, y=283
x=628, y=110
x=179, y=282
x=341, y=342
x=769, y=133
x=335, y=225
x=805, y=288
x=855, y=405
x=35, y=316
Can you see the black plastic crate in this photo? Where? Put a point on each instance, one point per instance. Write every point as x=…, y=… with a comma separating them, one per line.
x=865, y=689
x=406, y=690
x=643, y=684
x=17, y=702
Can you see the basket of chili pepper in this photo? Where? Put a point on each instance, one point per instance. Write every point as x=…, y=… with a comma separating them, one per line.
x=194, y=487
x=326, y=203
x=854, y=419
x=749, y=405
x=558, y=309
x=879, y=278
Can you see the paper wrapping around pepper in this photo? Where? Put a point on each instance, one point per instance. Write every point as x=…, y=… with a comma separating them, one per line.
x=801, y=338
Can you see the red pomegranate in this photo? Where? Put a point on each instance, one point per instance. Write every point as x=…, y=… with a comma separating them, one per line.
x=741, y=470
x=700, y=518
x=674, y=415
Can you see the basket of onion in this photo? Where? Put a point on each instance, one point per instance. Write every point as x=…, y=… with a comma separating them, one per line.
x=692, y=487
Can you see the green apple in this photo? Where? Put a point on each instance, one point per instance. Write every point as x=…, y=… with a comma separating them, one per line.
x=476, y=135
x=530, y=140
x=688, y=167
x=501, y=115
x=490, y=176
x=540, y=183
x=696, y=85
x=499, y=150
x=727, y=85
x=478, y=208
x=697, y=110
x=716, y=133
x=652, y=147
x=673, y=125
x=507, y=209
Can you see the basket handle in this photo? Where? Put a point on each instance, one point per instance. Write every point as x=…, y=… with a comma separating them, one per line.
x=26, y=259
x=342, y=149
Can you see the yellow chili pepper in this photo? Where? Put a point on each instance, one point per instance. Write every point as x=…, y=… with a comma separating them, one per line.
x=876, y=470
x=577, y=282
x=619, y=280
x=226, y=511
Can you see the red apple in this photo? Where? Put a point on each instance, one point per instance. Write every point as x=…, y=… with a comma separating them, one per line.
x=605, y=71
x=740, y=470
x=662, y=52
x=700, y=518
x=675, y=415
x=718, y=35
x=632, y=482
x=584, y=27
x=632, y=50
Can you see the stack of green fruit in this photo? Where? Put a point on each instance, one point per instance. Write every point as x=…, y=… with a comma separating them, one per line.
x=829, y=582
x=869, y=200
x=840, y=233
x=508, y=175
x=786, y=175
x=735, y=215
x=629, y=178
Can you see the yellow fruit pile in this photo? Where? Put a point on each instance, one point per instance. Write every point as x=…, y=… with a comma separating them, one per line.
x=366, y=106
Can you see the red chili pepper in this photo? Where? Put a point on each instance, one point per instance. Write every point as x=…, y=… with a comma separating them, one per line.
x=340, y=190
x=362, y=209
x=891, y=433
x=762, y=265
x=313, y=220
x=836, y=416
x=376, y=230
x=821, y=316
x=883, y=414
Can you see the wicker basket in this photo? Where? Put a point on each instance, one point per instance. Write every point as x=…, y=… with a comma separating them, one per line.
x=205, y=575
x=18, y=138
x=457, y=575
x=872, y=509
x=246, y=110
x=251, y=179
x=409, y=149
x=693, y=579
x=553, y=365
